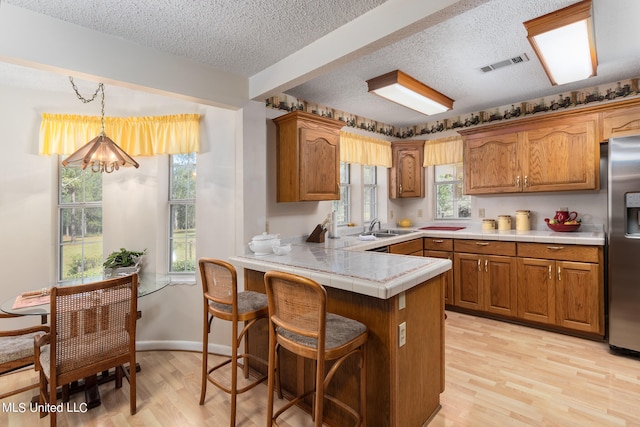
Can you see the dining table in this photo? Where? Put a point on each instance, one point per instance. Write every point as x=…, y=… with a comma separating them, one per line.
x=39, y=305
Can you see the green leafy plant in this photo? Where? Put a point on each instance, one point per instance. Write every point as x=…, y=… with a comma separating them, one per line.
x=123, y=258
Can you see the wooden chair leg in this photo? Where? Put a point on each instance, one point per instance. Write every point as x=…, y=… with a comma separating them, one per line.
x=205, y=354
x=119, y=376
x=234, y=373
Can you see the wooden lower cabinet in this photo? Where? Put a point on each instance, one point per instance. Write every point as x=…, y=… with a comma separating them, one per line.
x=485, y=283
x=448, y=276
x=556, y=285
x=560, y=293
x=411, y=247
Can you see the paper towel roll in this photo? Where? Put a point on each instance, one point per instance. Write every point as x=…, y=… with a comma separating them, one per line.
x=333, y=231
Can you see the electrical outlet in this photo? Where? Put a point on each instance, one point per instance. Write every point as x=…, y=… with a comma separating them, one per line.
x=402, y=301
x=266, y=226
x=402, y=334
x=419, y=213
x=481, y=212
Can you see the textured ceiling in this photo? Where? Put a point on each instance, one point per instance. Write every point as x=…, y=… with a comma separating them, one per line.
x=445, y=52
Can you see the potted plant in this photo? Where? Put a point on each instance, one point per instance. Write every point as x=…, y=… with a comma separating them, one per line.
x=123, y=262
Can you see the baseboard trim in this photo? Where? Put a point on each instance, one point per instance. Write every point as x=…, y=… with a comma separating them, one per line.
x=182, y=346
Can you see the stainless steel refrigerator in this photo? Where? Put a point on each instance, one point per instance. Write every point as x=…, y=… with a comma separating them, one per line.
x=624, y=243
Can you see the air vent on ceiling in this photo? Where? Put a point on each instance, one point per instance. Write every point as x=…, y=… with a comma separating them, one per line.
x=511, y=61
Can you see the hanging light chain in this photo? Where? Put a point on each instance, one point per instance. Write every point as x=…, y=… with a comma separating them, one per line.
x=86, y=100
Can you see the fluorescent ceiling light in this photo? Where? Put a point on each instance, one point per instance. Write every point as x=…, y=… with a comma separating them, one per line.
x=403, y=89
x=564, y=43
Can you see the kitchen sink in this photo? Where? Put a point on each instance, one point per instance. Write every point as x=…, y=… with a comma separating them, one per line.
x=387, y=233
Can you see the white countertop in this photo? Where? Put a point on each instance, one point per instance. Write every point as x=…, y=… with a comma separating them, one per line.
x=344, y=263
x=369, y=273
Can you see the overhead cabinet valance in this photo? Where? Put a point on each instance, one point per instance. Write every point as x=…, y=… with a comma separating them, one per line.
x=138, y=136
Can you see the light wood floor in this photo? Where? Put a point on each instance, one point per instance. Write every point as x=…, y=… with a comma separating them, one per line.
x=497, y=374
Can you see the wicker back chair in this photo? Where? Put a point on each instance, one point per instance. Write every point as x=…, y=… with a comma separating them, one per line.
x=16, y=350
x=93, y=329
x=299, y=322
x=223, y=301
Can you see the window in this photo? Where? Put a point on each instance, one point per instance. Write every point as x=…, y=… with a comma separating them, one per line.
x=450, y=202
x=80, y=222
x=370, y=198
x=343, y=206
x=182, y=207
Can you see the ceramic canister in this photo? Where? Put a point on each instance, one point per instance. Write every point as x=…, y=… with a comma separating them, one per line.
x=488, y=224
x=522, y=220
x=504, y=222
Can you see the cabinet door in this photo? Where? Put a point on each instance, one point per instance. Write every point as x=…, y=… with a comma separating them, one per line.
x=491, y=164
x=500, y=285
x=536, y=290
x=564, y=155
x=467, y=291
x=621, y=122
x=319, y=165
x=448, y=277
x=577, y=296
x=406, y=177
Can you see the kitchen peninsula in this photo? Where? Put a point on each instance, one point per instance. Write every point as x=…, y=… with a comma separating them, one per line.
x=386, y=292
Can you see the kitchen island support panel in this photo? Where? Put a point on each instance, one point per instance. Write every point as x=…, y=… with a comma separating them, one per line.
x=403, y=383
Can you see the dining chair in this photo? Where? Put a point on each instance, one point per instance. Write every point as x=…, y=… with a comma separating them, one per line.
x=92, y=329
x=222, y=300
x=299, y=322
x=16, y=350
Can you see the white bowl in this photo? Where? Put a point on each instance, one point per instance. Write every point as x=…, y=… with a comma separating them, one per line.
x=282, y=249
x=263, y=247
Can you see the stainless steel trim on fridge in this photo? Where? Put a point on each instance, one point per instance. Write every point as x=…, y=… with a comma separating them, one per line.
x=624, y=243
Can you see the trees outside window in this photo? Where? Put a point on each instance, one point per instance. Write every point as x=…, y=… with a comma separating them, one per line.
x=370, y=199
x=450, y=201
x=182, y=217
x=80, y=223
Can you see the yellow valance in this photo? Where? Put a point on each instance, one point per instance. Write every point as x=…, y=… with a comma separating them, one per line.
x=138, y=136
x=364, y=150
x=443, y=151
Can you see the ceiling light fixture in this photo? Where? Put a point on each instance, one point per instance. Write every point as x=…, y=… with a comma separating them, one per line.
x=403, y=89
x=565, y=44
x=101, y=152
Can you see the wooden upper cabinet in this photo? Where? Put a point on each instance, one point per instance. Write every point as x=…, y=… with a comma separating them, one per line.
x=621, y=122
x=308, y=157
x=562, y=155
x=491, y=163
x=406, y=176
x=546, y=155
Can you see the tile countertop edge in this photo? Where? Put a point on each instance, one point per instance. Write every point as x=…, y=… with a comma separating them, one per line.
x=361, y=286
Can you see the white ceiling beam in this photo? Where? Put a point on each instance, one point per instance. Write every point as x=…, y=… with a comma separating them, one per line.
x=32, y=39
x=387, y=23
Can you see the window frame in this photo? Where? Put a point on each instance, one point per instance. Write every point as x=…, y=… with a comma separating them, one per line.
x=373, y=190
x=83, y=206
x=345, y=184
x=455, y=182
x=176, y=203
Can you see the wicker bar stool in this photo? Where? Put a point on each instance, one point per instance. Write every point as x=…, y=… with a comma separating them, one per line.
x=299, y=322
x=223, y=301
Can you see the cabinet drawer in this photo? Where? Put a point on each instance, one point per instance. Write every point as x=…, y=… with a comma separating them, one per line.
x=485, y=247
x=438, y=244
x=406, y=248
x=559, y=252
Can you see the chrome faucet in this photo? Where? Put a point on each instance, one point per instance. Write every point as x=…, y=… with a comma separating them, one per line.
x=373, y=224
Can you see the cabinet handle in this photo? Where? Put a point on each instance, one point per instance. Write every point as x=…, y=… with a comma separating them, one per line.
x=479, y=268
x=400, y=188
x=482, y=243
x=555, y=248
x=518, y=181
x=526, y=181
x=559, y=277
x=438, y=241
x=486, y=265
x=549, y=271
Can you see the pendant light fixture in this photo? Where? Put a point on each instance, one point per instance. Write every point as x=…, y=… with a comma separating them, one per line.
x=101, y=152
x=403, y=89
x=565, y=43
